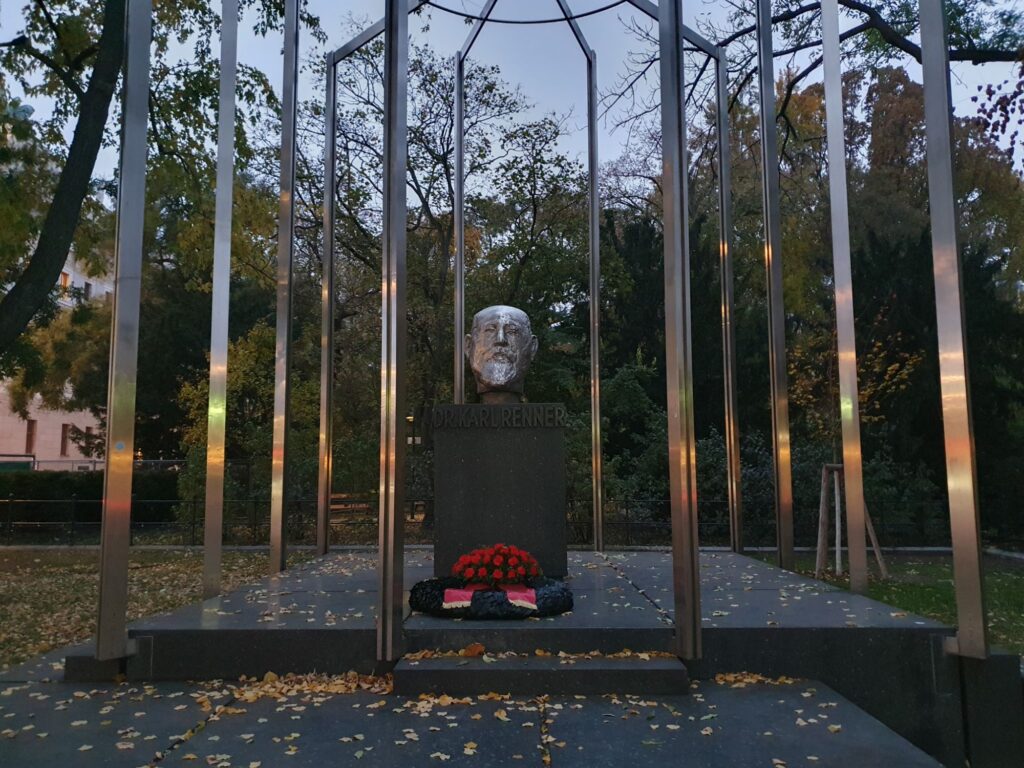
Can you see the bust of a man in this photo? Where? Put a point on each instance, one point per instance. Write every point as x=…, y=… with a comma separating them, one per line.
x=500, y=348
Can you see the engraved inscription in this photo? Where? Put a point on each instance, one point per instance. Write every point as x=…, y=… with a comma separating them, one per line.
x=526, y=416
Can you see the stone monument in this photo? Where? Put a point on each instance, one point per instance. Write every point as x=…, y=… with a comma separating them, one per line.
x=499, y=466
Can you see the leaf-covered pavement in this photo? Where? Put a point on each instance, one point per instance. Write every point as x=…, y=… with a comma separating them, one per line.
x=48, y=597
x=736, y=720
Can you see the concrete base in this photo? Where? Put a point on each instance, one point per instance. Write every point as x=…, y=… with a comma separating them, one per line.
x=499, y=476
x=994, y=710
x=536, y=675
x=86, y=668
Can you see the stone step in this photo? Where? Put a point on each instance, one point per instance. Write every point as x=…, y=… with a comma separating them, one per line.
x=533, y=675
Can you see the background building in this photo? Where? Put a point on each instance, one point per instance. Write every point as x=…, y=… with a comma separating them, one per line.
x=43, y=439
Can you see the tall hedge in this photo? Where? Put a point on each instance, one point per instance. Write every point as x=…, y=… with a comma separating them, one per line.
x=27, y=484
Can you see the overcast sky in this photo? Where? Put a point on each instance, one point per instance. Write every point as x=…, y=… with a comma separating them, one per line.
x=543, y=59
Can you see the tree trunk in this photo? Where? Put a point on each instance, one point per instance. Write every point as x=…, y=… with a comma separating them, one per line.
x=33, y=286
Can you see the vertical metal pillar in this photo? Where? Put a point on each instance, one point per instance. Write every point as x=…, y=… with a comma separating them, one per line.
x=849, y=409
x=115, y=534
x=678, y=363
x=213, y=515
x=732, y=429
x=392, y=401
x=326, y=447
x=285, y=252
x=961, y=472
x=459, y=369
x=597, y=481
x=773, y=267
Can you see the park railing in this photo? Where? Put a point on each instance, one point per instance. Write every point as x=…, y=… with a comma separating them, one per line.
x=628, y=523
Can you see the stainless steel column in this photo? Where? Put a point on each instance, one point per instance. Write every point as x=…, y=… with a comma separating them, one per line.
x=213, y=515
x=597, y=481
x=459, y=368
x=593, y=158
x=732, y=429
x=326, y=446
x=961, y=473
x=849, y=409
x=773, y=267
x=679, y=369
x=285, y=252
x=393, y=308
x=115, y=533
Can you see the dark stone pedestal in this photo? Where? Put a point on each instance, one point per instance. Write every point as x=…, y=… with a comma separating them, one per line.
x=499, y=476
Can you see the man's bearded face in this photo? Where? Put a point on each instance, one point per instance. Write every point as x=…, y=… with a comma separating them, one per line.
x=500, y=349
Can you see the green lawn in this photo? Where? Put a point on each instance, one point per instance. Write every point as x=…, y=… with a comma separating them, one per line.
x=923, y=584
x=48, y=598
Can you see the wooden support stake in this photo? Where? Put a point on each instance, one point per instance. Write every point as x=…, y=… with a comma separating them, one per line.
x=819, y=565
x=874, y=545
x=823, y=526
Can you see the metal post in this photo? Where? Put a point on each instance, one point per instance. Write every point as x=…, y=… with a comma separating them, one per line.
x=597, y=481
x=776, y=312
x=459, y=368
x=392, y=401
x=285, y=251
x=115, y=533
x=213, y=516
x=326, y=458
x=732, y=429
x=849, y=409
x=459, y=371
x=961, y=472
x=597, y=484
x=74, y=515
x=679, y=371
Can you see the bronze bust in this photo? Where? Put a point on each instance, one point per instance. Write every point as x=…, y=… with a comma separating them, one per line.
x=500, y=348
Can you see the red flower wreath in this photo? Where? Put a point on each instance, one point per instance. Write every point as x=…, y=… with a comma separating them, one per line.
x=499, y=564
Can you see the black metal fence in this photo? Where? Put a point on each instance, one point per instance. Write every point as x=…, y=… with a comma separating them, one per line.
x=630, y=523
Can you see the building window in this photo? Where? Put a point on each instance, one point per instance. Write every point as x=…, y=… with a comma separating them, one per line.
x=87, y=291
x=65, y=282
x=65, y=435
x=30, y=436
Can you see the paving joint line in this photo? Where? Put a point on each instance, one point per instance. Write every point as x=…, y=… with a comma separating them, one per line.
x=176, y=742
x=663, y=615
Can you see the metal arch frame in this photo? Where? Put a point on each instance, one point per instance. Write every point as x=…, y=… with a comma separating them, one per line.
x=112, y=640
x=594, y=213
x=684, y=510
x=213, y=511
x=394, y=27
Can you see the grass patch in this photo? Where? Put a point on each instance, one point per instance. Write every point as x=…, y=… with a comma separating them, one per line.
x=924, y=585
x=48, y=598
